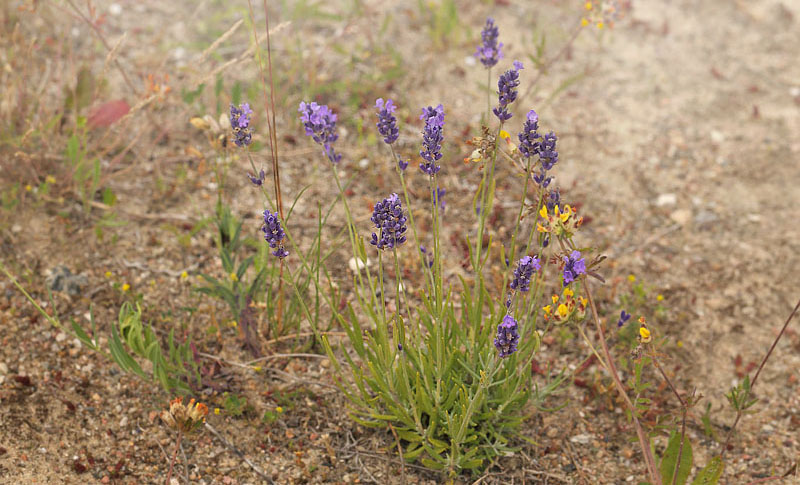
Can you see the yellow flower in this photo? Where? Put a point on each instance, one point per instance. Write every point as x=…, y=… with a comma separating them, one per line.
x=126, y=287
x=234, y=323
x=555, y=299
x=599, y=25
x=584, y=22
x=233, y=277
x=540, y=228
x=660, y=298
x=50, y=179
x=563, y=310
x=257, y=368
x=184, y=275
x=645, y=334
x=568, y=293
x=216, y=411
x=547, y=309
x=504, y=135
x=631, y=278
x=565, y=215
x=543, y=211
x=679, y=343
x=28, y=187
x=279, y=410
x=108, y=274
x=588, y=5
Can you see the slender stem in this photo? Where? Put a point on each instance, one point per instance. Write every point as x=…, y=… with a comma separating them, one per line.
x=644, y=441
x=755, y=378
x=14, y=281
x=488, y=94
x=380, y=278
x=513, y=248
x=174, y=456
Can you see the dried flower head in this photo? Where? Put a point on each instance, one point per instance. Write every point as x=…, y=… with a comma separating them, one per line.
x=507, y=337
x=185, y=418
x=320, y=124
x=390, y=221
x=574, y=265
x=240, y=123
x=387, y=123
x=523, y=273
x=432, y=137
x=507, y=92
x=274, y=234
x=490, y=51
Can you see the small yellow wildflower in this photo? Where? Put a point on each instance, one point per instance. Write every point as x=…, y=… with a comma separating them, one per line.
x=152, y=282
x=126, y=287
x=599, y=25
x=233, y=277
x=631, y=278
x=660, y=298
x=679, y=343
x=584, y=22
x=257, y=368
x=645, y=334
x=504, y=135
x=216, y=411
x=555, y=299
x=547, y=309
x=50, y=179
x=568, y=293
x=588, y=6
x=563, y=310
x=108, y=274
x=234, y=323
x=543, y=212
x=279, y=410
x=184, y=275
x=28, y=187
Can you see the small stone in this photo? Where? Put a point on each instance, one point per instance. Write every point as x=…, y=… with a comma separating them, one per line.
x=705, y=217
x=325, y=363
x=581, y=439
x=3, y=368
x=356, y=264
x=123, y=422
x=363, y=163
x=717, y=136
x=61, y=337
x=666, y=199
x=681, y=216
x=115, y=9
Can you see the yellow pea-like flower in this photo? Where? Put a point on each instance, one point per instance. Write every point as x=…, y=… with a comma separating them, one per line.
x=563, y=310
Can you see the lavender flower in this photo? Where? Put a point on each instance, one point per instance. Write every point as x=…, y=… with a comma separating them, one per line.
x=428, y=258
x=547, y=151
x=257, y=181
x=320, y=124
x=507, y=337
x=623, y=318
x=387, y=123
x=523, y=273
x=574, y=265
x=240, y=123
x=274, y=234
x=391, y=223
x=553, y=200
x=432, y=139
x=529, y=138
x=402, y=164
x=507, y=92
x=489, y=52
x=438, y=197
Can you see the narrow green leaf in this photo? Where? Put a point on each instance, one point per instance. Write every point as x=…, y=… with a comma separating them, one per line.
x=670, y=458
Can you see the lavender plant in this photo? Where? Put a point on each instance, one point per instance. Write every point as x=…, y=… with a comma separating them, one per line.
x=448, y=370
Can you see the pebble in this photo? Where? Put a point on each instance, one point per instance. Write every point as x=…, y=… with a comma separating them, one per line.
x=363, y=163
x=356, y=264
x=61, y=337
x=3, y=368
x=666, y=199
x=123, y=422
x=581, y=439
x=717, y=136
x=681, y=216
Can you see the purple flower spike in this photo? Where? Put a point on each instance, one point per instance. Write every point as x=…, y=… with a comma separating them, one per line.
x=390, y=221
x=258, y=181
x=432, y=138
x=274, y=234
x=524, y=272
x=240, y=123
x=507, y=91
x=320, y=124
x=507, y=337
x=548, y=154
x=489, y=52
x=387, y=123
x=623, y=318
x=574, y=265
x=402, y=164
x=529, y=137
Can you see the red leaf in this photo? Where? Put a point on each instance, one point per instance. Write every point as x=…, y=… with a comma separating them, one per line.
x=108, y=113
